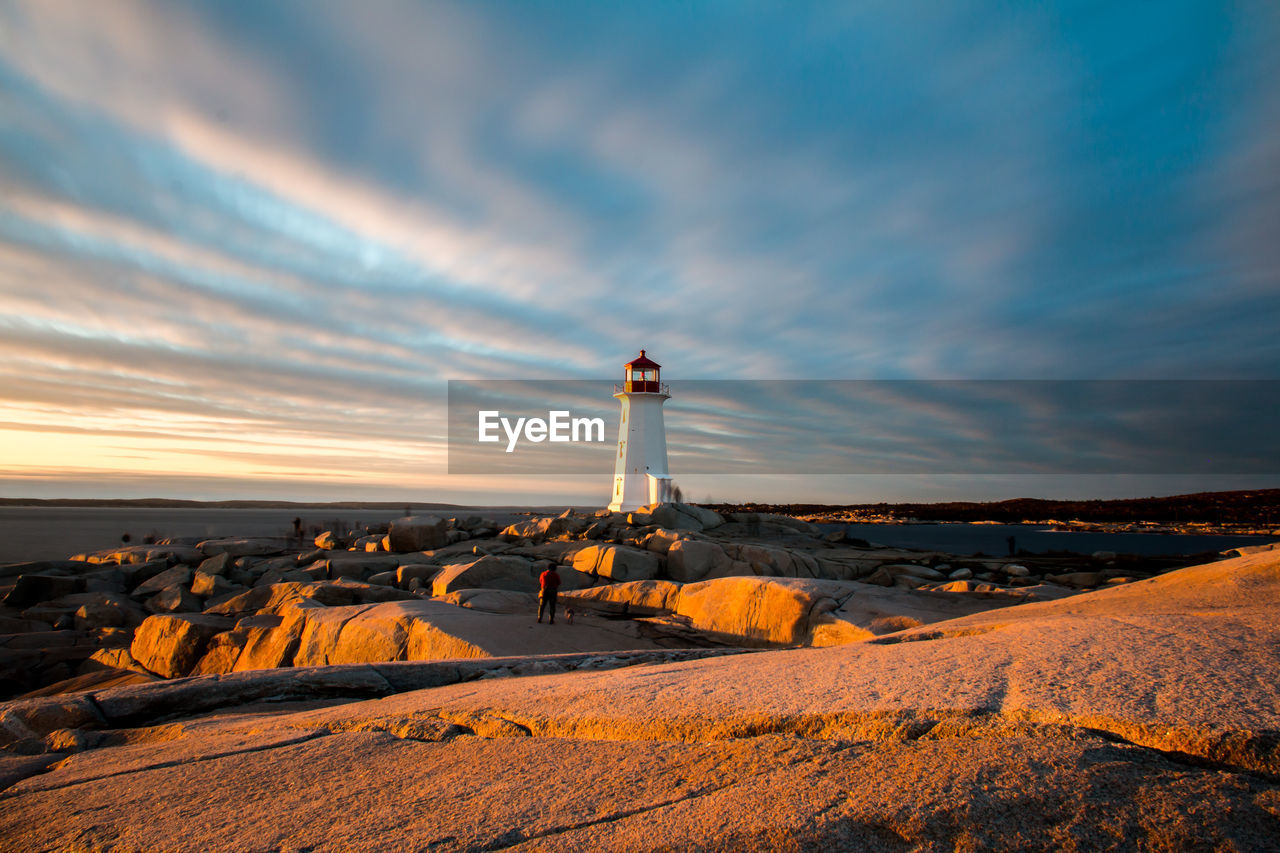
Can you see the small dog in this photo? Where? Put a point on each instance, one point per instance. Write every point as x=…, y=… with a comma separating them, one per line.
x=568, y=615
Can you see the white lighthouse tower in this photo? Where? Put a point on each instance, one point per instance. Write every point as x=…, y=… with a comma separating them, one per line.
x=640, y=471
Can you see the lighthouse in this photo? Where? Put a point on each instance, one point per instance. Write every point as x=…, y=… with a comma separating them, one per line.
x=640, y=469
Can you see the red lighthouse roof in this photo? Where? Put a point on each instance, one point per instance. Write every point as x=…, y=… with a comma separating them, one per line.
x=643, y=362
x=641, y=376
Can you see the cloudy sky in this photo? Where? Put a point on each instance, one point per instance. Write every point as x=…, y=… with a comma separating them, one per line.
x=243, y=245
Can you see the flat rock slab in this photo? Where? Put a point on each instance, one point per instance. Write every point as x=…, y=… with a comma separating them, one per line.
x=137, y=758
x=430, y=629
x=242, y=547
x=1141, y=717
x=376, y=791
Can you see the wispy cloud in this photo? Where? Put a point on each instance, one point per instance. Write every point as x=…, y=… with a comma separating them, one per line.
x=260, y=225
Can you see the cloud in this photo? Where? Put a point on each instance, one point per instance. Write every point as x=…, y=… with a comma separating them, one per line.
x=306, y=217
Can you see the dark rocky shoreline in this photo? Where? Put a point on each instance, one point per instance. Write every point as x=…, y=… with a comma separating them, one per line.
x=1245, y=511
x=674, y=576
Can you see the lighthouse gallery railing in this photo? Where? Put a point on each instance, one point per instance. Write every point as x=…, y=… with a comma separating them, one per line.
x=642, y=388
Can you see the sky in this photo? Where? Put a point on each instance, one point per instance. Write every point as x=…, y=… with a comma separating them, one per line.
x=244, y=246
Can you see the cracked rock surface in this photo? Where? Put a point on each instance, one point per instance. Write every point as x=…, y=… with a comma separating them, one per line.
x=1141, y=717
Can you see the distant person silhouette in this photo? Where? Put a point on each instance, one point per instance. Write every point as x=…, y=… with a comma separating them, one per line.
x=297, y=529
x=548, y=588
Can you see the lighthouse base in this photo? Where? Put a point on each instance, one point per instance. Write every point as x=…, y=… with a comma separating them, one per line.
x=658, y=488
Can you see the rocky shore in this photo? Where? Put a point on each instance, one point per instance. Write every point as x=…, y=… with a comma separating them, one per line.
x=1245, y=512
x=424, y=587
x=735, y=681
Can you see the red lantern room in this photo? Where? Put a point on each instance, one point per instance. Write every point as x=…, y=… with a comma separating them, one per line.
x=642, y=376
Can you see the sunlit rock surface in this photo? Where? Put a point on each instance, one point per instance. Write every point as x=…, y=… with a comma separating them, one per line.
x=745, y=579
x=1141, y=717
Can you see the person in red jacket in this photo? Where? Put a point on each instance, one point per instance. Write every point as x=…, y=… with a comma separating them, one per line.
x=548, y=586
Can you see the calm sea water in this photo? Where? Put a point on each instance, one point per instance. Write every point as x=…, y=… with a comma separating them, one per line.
x=992, y=539
x=53, y=533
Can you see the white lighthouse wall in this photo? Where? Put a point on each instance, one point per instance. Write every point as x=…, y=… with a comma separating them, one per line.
x=642, y=450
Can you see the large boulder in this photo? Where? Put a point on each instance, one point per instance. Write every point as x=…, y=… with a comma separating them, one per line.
x=108, y=610
x=490, y=572
x=21, y=625
x=617, y=562
x=1242, y=551
x=320, y=628
x=661, y=540
x=771, y=610
x=167, y=553
x=218, y=565
x=493, y=600
x=382, y=579
x=571, y=579
x=422, y=572
x=883, y=610
x=360, y=564
x=174, y=552
x=906, y=575
x=26, y=718
x=210, y=586
x=121, y=556
x=433, y=629
x=173, y=599
x=708, y=518
x=220, y=653
x=751, y=609
x=167, y=578
x=106, y=580
x=272, y=641
x=639, y=596
x=52, y=611
x=560, y=552
x=111, y=659
x=692, y=560
x=1078, y=580
x=799, y=526
x=274, y=597
x=329, y=541
x=240, y=547
x=766, y=524
x=778, y=562
x=418, y=533
x=32, y=589
x=130, y=575
x=170, y=645
x=669, y=515
x=264, y=641
x=541, y=529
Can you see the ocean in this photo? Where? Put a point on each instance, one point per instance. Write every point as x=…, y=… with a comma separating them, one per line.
x=992, y=539
x=54, y=533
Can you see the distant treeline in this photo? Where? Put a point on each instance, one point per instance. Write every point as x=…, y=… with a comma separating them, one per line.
x=1258, y=506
